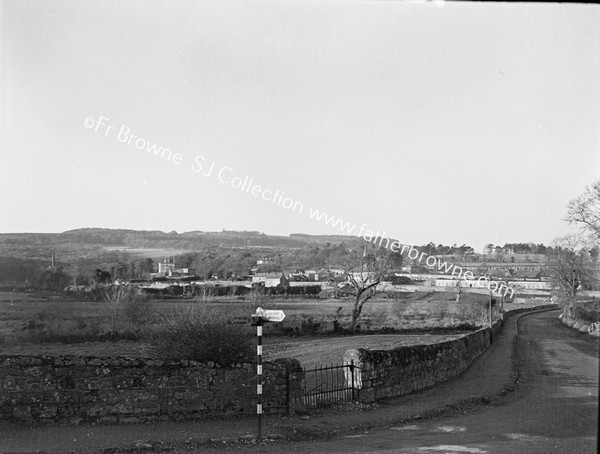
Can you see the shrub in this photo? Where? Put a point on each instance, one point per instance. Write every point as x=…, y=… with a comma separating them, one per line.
x=588, y=312
x=124, y=304
x=136, y=310
x=202, y=334
x=309, y=326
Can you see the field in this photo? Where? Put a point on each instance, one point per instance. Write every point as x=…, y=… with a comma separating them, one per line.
x=310, y=352
x=304, y=326
x=155, y=253
x=330, y=350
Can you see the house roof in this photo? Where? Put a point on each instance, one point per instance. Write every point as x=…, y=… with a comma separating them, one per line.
x=268, y=275
x=528, y=274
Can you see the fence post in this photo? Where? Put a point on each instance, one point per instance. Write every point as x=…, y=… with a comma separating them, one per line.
x=287, y=390
x=352, y=373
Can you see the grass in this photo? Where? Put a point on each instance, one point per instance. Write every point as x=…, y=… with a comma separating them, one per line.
x=26, y=319
x=318, y=351
x=311, y=352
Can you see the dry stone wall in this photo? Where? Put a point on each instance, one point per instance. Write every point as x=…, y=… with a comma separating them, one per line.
x=386, y=373
x=71, y=389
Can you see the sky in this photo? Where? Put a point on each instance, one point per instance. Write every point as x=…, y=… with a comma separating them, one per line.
x=446, y=122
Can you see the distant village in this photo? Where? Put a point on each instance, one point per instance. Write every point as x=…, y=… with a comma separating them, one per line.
x=525, y=272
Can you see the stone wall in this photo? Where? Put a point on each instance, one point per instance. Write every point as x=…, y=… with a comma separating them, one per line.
x=70, y=389
x=387, y=373
x=73, y=389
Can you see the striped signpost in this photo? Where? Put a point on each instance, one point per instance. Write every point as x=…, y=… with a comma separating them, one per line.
x=259, y=324
x=258, y=319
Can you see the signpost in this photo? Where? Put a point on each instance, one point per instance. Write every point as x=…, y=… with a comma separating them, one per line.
x=258, y=319
x=273, y=316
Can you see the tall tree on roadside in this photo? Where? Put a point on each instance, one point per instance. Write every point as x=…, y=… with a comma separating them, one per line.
x=570, y=265
x=585, y=211
x=364, y=271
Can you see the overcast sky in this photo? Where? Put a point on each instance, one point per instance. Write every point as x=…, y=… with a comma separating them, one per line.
x=452, y=123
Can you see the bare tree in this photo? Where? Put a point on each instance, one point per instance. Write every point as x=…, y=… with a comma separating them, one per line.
x=117, y=297
x=205, y=293
x=585, y=210
x=506, y=283
x=458, y=290
x=364, y=273
x=570, y=265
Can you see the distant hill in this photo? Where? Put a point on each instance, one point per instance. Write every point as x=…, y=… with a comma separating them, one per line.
x=324, y=238
x=88, y=248
x=185, y=241
x=87, y=242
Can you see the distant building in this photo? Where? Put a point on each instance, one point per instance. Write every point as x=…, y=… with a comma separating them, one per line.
x=489, y=248
x=295, y=275
x=167, y=268
x=271, y=279
x=312, y=275
x=527, y=275
x=462, y=283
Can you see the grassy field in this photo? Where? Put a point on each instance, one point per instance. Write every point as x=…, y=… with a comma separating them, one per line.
x=412, y=311
x=306, y=320
x=310, y=352
x=330, y=350
x=155, y=254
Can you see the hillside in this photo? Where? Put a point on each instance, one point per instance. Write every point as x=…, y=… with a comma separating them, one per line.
x=88, y=248
x=186, y=241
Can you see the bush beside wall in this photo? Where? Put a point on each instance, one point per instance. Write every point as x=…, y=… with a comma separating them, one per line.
x=573, y=319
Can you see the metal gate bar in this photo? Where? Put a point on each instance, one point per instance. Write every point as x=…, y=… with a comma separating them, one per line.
x=328, y=384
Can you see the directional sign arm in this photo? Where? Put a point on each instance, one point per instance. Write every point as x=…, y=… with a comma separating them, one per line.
x=268, y=315
x=274, y=316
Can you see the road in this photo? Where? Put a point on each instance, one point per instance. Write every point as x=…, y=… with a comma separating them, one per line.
x=555, y=409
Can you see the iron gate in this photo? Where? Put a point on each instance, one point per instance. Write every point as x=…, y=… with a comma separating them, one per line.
x=329, y=384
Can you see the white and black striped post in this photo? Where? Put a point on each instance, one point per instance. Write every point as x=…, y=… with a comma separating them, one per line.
x=259, y=323
x=259, y=318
